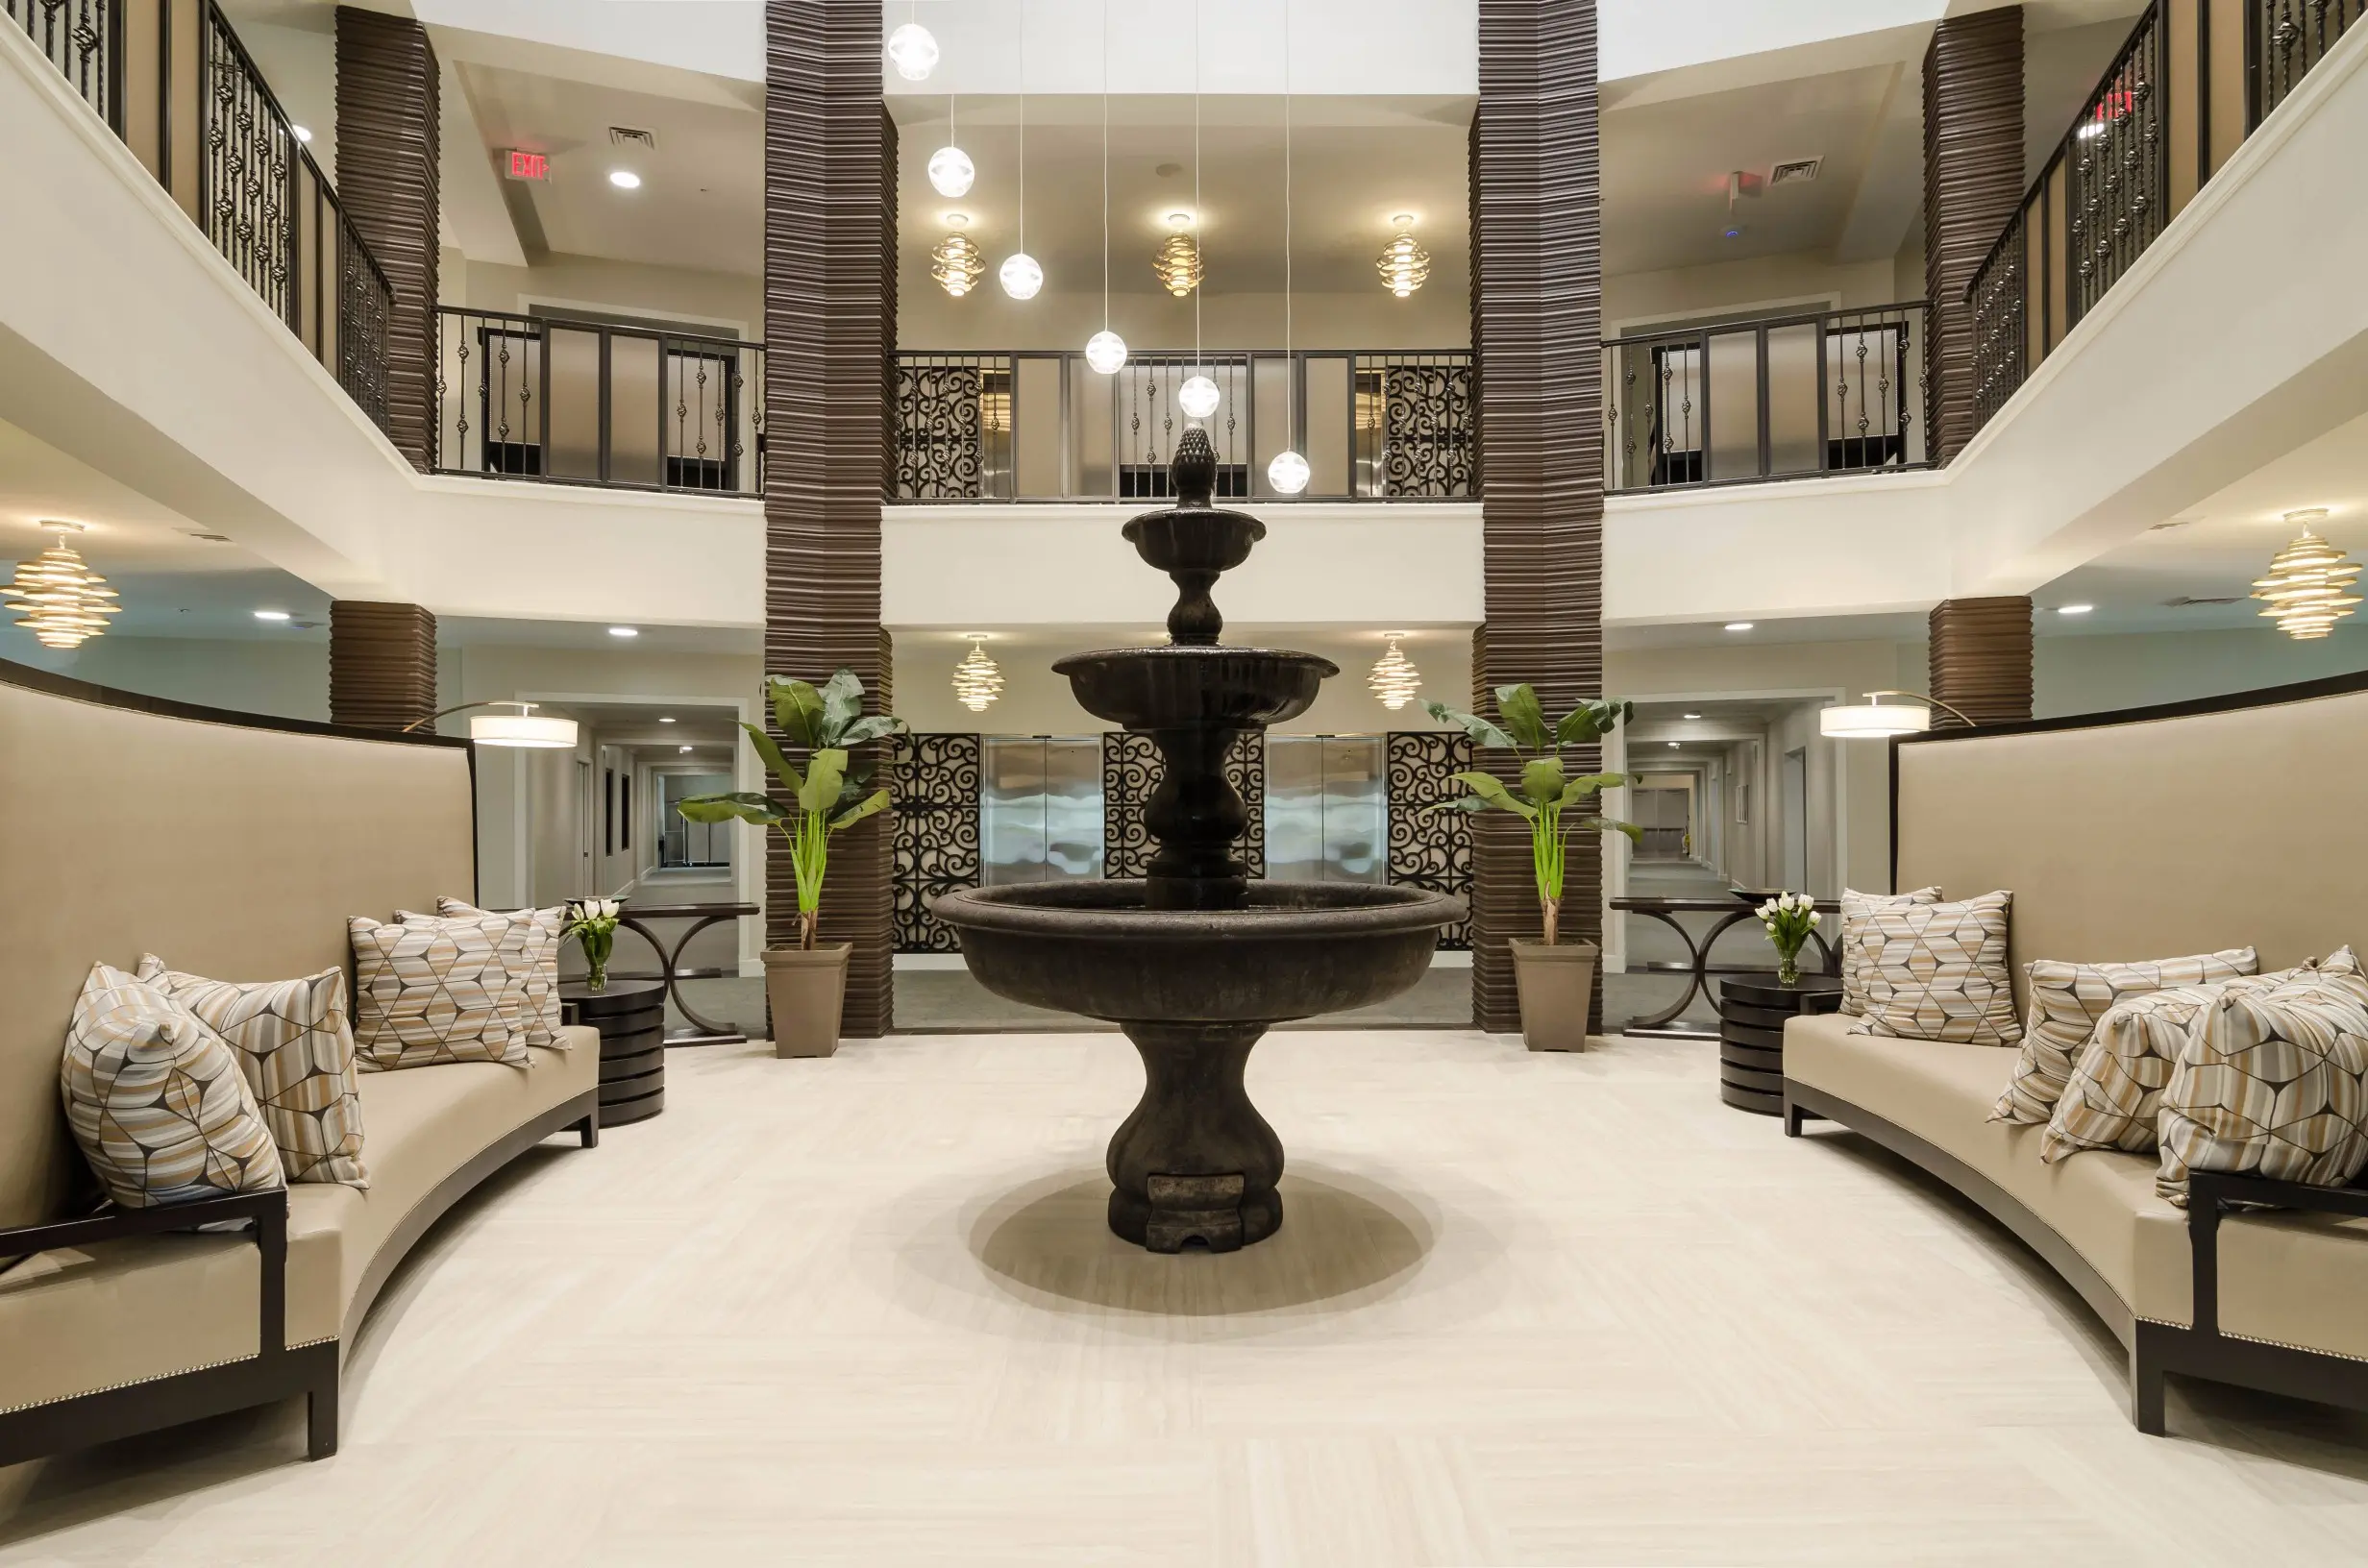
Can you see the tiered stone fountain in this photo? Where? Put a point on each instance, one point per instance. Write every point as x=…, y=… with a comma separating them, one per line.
x=1197, y=961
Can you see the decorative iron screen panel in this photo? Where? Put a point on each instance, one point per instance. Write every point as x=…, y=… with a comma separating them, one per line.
x=936, y=846
x=940, y=445
x=1426, y=429
x=1132, y=770
x=1430, y=849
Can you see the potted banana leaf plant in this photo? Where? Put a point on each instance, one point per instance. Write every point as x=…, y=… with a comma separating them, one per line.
x=1556, y=979
x=805, y=985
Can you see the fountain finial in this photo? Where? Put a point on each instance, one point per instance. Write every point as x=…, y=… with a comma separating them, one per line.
x=1193, y=467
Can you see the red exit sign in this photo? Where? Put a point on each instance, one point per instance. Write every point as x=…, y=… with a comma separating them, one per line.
x=525, y=165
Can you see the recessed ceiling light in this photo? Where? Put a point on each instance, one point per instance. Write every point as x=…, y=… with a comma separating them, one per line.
x=1741, y=625
x=302, y=134
x=1690, y=715
x=682, y=748
x=1672, y=745
x=625, y=179
x=668, y=720
x=623, y=631
x=2074, y=609
x=271, y=615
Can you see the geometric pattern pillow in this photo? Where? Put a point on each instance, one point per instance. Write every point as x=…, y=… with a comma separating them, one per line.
x=1939, y=971
x=431, y=992
x=2334, y=966
x=2067, y=1002
x=2116, y=1090
x=2272, y=1083
x=1856, y=906
x=531, y=953
x=156, y=1101
x=296, y=1047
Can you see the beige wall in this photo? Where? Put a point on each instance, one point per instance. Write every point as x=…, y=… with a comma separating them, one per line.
x=987, y=319
x=730, y=303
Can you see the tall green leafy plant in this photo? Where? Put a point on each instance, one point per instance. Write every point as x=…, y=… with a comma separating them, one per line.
x=1546, y=793
x=825, y=722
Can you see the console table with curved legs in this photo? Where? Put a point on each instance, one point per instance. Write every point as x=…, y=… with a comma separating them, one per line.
x=1697, y=966
x=670, y=961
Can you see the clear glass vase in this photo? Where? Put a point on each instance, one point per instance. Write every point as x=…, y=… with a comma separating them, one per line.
x=1788, y=967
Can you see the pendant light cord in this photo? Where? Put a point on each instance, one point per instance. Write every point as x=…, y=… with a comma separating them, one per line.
x=1291, y=403
x=1200, y=223
x=1105, y=165
x=1023, y=127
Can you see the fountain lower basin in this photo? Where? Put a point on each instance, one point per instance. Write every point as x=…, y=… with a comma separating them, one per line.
x=1195, y=990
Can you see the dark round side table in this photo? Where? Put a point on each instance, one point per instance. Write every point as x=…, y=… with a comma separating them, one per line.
x=630, y=1016
x=1752, y=1009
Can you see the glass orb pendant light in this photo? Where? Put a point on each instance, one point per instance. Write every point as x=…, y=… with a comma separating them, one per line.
x=912, y=49
x=951, y=171
x=1288, y=473
x=1198, y=397
x=1395, y=679
x=1021, y=276
x=1106, y=352
x=56, y=597
x=977, y=681
x=1404, y=264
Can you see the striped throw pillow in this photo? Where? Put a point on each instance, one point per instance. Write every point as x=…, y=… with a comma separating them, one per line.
x=1939, y=971
x=2066, y=1002
x=294, y=1042
x=156, y=1101
x=428, y=991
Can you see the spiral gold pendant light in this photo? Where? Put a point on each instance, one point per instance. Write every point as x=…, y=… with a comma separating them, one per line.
x=57, y=598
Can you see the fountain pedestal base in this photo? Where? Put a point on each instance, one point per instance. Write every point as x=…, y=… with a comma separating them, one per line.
x=1195, y=1161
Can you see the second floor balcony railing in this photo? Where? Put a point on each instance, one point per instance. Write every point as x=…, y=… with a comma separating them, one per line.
x=593, y=403
x=2193, y=81
x=171, y=79
x=1780, y=398
x=1046, y=425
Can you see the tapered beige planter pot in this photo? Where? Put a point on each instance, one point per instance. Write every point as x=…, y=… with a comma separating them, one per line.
x=1556, y=985
x=804, y=990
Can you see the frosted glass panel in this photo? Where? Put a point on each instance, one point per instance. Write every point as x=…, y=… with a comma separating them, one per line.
x=1040, y=808
x=1326, y=810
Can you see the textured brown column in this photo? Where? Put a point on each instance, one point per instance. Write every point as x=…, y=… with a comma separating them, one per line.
x=1973, y=182
x=387, y=124
x=1536, y=312
x=1981, y=660
x=382, y=664
x=830, y=297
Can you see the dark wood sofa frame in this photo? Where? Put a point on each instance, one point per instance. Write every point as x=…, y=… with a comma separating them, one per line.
x=278, y=1370
x=2154, y=1349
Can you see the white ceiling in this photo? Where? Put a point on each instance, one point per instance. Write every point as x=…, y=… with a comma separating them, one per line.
x=2217, y=548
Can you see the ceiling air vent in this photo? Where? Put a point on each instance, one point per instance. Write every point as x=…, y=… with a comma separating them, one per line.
x=624, y=136
x=209, y=538
x=2188, y=602
x=1799, y=172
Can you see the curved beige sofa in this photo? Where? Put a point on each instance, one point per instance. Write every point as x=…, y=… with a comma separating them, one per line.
x=236, y=847
x=2093, y=823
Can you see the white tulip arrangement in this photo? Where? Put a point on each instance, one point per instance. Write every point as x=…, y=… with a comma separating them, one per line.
x=593, y=923
x=1788, y=918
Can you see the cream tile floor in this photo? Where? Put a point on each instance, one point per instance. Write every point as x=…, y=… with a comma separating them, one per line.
x=1523, y=1310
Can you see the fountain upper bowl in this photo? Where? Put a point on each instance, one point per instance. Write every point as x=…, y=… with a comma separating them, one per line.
x=1184, y=685
x=1299, y=949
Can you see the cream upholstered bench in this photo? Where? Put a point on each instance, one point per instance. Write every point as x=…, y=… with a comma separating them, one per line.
x=2093, y=824
x=235, y=847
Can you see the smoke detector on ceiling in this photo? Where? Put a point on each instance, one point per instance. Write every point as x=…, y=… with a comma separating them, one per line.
x=1801, y=171
x=624, y=136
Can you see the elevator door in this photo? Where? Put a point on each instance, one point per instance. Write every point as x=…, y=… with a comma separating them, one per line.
x=1327, y=809
x=1040, y=809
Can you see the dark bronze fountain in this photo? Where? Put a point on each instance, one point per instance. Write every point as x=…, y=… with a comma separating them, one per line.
x=1197, y=961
